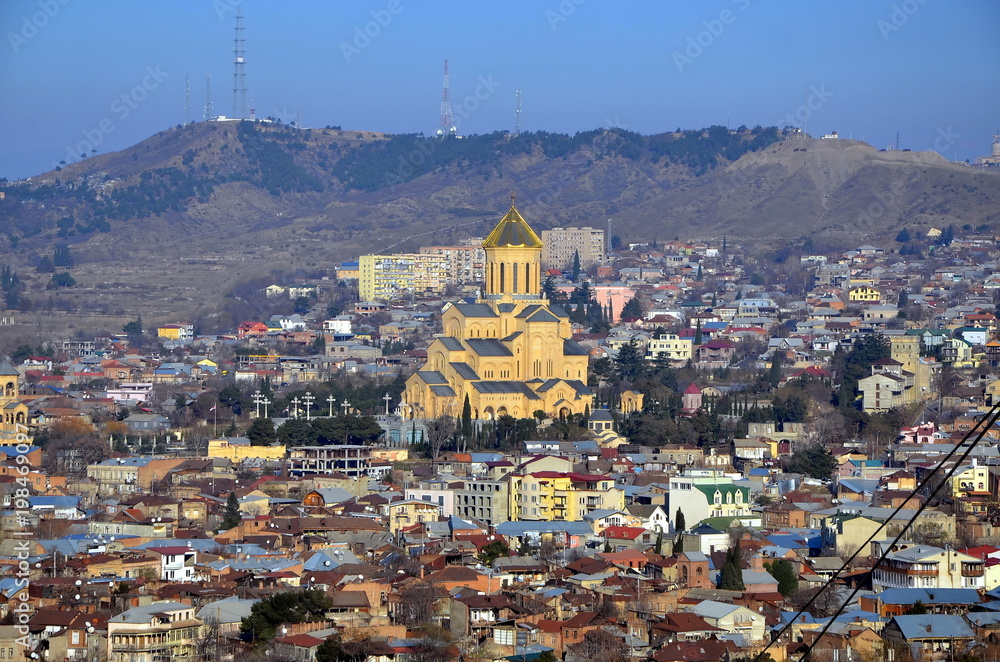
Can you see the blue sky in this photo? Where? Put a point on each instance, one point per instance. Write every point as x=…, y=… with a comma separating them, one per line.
x=867, y=69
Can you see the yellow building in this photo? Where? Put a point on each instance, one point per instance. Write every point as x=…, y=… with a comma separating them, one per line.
x=865, y=294
x=176, y=331
x=510, y=353
x=670, y=347
x=15, y=412
x=235, y=451
x=385, y=277
x=403, y=514
x=972, y=481
x=556, y=495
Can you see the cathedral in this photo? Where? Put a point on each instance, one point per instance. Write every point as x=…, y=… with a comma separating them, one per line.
x=15, y=412
x=510, y=352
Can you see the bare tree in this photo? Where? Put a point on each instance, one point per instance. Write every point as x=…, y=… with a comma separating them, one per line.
x=417, y=606
x=602, y=645
x=439, y=431
x=828, y=427
x=206, y=643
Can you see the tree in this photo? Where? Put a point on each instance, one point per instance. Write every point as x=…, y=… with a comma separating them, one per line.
x=336, y=649
x=903, y=236
x=287, y=607
x=231, y=517
x=814, y=460
x=632, y=309
x=601, y=645
x=133, y=328
x=62, y=279
x=466, y=418
x=576, y=266
x=679, y=524
x=631, y=360
x=261, y=432
x=494, y=551
x=62, y=257
x=45, y=265
x=918, y=608
x=782, y=571
x=416, y=604
x=697, y=333
x=439, y=431
x=731, y=575
x=658, y=547
x=774, y=375
x=904, y=299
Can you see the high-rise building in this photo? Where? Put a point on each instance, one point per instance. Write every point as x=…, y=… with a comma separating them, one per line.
x=510, y=353
x=561, y=244
x=386, y=277
x=466, y=262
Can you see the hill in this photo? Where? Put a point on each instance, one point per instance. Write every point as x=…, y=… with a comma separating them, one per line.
x=168, y=227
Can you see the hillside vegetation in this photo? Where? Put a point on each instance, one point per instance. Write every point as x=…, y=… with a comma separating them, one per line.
x=173, y=223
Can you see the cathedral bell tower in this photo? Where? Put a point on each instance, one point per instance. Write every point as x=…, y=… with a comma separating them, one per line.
x=513, y=260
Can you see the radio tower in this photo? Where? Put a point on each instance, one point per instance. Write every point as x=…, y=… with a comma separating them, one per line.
x=239, y=74
x=517, y=114
x=187, y=99
x=446, y=128
x=208, y=97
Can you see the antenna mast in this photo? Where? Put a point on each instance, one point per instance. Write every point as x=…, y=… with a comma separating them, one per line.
x=239, y=74
x=446, y=128
x=517, y=114
x=607, y=245
x=208, y=97
x=187, y=98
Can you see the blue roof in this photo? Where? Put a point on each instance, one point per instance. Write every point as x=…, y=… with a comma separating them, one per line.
x=521, y=528
x=933, y=626
x=54, y=501
x=930, y=596
x=12, y=451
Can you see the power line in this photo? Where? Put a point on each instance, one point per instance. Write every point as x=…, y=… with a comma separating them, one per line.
x=991, y=416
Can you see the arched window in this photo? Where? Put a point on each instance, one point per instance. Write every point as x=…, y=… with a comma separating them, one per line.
x=502, y=278
x=514, y=278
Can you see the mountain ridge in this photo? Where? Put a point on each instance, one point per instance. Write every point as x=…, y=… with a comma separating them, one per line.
x=201, y=208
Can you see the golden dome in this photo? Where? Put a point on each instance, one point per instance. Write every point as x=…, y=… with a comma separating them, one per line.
x=512, y=232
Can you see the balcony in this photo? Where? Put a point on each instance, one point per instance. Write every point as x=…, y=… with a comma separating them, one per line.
x=972, y=570
x=912, y=572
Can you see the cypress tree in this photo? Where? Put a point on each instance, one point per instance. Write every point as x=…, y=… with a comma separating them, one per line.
x=231, y=516
x=466, y=418
x=774, y=376
x=679, y=524
x=731, y=576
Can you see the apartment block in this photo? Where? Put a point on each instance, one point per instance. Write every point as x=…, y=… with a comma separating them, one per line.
x=466, y=262
x=385, y=277
x=559, y=245
x=485, y=500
